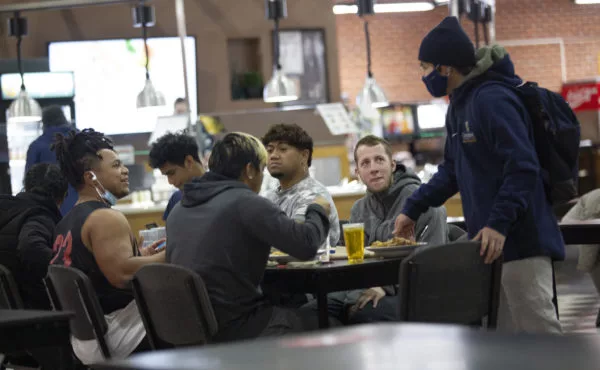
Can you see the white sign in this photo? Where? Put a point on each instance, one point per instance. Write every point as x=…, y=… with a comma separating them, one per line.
x=43, y=85
x=290, y=53
x=337, y=119
x=168, y=124
x=126, y=154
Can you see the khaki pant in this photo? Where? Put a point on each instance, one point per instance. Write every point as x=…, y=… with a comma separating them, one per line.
x=526, y=297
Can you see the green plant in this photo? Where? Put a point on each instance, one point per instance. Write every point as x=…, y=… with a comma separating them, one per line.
x=252, y=80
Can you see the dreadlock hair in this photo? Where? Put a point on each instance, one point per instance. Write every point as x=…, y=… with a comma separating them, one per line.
x=78, y=152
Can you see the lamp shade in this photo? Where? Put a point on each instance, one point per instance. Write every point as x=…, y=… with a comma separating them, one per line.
x=372, y=94
x=24, y=109
x=280, y=89
x=150, y=97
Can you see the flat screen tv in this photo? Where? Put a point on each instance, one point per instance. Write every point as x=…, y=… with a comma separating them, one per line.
x=432, y=117
x=109, y=75
x=398, y=121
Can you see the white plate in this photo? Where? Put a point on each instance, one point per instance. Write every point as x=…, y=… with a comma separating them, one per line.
x=283, y=259
x=394, y=251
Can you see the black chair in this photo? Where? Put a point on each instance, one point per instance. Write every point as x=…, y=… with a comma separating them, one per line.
x=174, y=306
x=71, y=290
x=562, y=209
x=10, y=298
x=455, y=233
x=449, y=284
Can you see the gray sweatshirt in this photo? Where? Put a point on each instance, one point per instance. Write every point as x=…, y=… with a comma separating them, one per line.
x=379, y=211
x=224, y=231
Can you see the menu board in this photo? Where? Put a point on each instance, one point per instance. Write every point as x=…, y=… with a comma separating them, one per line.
x=337, y=119
x=109, y=75
x=43, y=85
x=432, y=116
x=398, y=120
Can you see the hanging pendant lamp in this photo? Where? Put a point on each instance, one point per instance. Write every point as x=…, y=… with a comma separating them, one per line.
x=23, y=109
x=144, y=17
x=371, y=95
x=280, y=88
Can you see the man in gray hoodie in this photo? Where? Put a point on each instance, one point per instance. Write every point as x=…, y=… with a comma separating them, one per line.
x=389, y=185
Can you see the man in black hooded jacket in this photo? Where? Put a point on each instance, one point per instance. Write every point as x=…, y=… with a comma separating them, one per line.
x=27, y=223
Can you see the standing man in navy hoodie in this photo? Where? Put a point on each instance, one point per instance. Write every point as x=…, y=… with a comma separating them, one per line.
x=491, y=160
x=54, y=122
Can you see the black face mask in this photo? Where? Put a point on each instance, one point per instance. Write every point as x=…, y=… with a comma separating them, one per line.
x=436, y=84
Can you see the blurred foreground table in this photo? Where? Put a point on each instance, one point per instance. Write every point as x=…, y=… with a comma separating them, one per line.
x=385, y=346
x=26, y=330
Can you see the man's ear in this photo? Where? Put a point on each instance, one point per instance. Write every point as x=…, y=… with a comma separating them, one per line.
x=305, y=156
x=249, y=171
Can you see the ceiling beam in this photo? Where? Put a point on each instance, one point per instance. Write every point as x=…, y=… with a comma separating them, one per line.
x=57, y=5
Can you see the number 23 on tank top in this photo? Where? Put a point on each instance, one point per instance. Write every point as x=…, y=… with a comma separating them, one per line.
x=62, y=248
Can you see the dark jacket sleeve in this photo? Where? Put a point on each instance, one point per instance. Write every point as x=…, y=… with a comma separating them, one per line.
x=35, y=245
x=175, y=198
x=33, y=156
x=502, y=119
x=270, y=224
x=437, y=191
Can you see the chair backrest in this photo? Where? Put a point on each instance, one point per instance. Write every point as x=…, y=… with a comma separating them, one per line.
x=561, y=210
x=70, y=289
x=449, y=284
x=174, y=305
x=455, y=233
x=10, y=298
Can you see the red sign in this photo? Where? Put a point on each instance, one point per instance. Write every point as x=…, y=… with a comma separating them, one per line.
x=582, y=96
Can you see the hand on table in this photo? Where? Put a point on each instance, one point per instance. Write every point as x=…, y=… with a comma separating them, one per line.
x=492, y=242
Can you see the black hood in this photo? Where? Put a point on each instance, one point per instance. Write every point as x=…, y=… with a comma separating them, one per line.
x=202, y=189
x=11, y=207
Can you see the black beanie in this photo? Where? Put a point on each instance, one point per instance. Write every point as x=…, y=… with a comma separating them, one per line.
x=53, y=116
x=448, y=45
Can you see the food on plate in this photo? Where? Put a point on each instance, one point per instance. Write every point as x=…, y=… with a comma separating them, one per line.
x=395, y=241
x=277, y=253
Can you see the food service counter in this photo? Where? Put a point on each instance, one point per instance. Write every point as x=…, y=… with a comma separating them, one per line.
x=139, y=215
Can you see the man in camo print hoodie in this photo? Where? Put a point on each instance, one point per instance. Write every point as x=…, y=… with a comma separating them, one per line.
x=290, y=154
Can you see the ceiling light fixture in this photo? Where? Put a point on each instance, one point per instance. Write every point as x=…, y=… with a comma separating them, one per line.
x=418, y=6
x=280, y=88
x=23, y=109
x=144, y=16
x=587, y=2
x=371, y=95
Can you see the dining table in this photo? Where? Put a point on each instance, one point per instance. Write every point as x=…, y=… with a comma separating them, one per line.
x=573, y=232
x=393, y=346
x=337, y=275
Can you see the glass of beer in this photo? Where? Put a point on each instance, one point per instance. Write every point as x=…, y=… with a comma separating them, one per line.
x=354, y=236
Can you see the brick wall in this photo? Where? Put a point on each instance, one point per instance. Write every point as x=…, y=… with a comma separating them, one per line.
x=395, y=40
